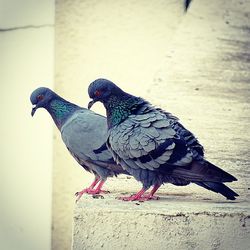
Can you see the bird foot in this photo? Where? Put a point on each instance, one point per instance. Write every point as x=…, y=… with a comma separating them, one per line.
x=89, y=191
x=128, y=198
x=98, y=191
x=151, y=197
x=137, y=198
x=80, y=193
x=132, y=198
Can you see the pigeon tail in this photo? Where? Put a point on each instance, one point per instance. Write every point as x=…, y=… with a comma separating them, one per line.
x=210, y=171
x=218, y=188
x=202, y=171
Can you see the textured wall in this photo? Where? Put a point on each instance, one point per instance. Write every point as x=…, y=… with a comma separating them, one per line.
x=173, y=222
x=26, y=62
x=120, y=40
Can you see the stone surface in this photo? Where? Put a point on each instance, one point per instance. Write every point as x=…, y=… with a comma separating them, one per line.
x=173, y=222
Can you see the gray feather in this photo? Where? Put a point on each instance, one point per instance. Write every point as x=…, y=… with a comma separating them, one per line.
x=83, y=133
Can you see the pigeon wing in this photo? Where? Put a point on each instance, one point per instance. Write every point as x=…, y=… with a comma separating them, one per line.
x=84, y=134
x=149, y=141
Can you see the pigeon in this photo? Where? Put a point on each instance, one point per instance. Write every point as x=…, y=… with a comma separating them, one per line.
x=84, y=133
x=153, y=146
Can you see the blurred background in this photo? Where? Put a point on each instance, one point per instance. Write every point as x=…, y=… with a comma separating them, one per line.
x=26, y=62
x=193, y=63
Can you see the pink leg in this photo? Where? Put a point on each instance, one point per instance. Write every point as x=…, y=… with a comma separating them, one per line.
x=93, y=184
x=98, y=190
x=135, y=197
x=151, y=196
x=87, y=190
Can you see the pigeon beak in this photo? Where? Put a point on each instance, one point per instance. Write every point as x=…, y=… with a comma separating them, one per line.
x=91, y=103
x=34, y=108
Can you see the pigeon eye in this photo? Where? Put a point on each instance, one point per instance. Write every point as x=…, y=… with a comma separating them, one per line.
x=97, y=93
x=40, y=97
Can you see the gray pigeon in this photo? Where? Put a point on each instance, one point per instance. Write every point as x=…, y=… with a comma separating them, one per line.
x=84, y=134
x=153, y=146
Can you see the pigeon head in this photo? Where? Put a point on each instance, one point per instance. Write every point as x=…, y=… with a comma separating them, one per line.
x=40, y=98
x=101, y=90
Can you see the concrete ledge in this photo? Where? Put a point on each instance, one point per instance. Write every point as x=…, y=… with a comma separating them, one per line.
x=169, y=223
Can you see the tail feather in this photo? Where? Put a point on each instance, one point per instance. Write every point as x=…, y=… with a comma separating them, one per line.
x=218, y=188
x=202, y=171
x=206, y=175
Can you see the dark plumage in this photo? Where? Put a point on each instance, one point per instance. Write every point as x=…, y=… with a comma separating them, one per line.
x=153, y=146
x=84, y=134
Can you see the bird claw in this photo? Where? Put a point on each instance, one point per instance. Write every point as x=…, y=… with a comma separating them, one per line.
x=84, y=191
x=78, y=195
x=96, y=191
x=140, y=199
x=104, y=191
x=151, y=197
x=90, y=191
x=131, y=198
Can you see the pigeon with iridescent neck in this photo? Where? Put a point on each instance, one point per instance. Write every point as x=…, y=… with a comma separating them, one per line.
x=153, y=146
x=84, y=134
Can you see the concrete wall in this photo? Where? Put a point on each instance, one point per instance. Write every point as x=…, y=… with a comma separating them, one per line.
x=173, y=222
x=26, y=62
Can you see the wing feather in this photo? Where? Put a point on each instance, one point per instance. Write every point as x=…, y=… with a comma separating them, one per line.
x=149, y=141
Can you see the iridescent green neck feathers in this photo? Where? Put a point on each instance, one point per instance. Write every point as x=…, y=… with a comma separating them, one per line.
x=119, y=108
x=61, y=110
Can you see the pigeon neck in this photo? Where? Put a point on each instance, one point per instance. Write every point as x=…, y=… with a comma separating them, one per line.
x=118, y=108
x=60, y=110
